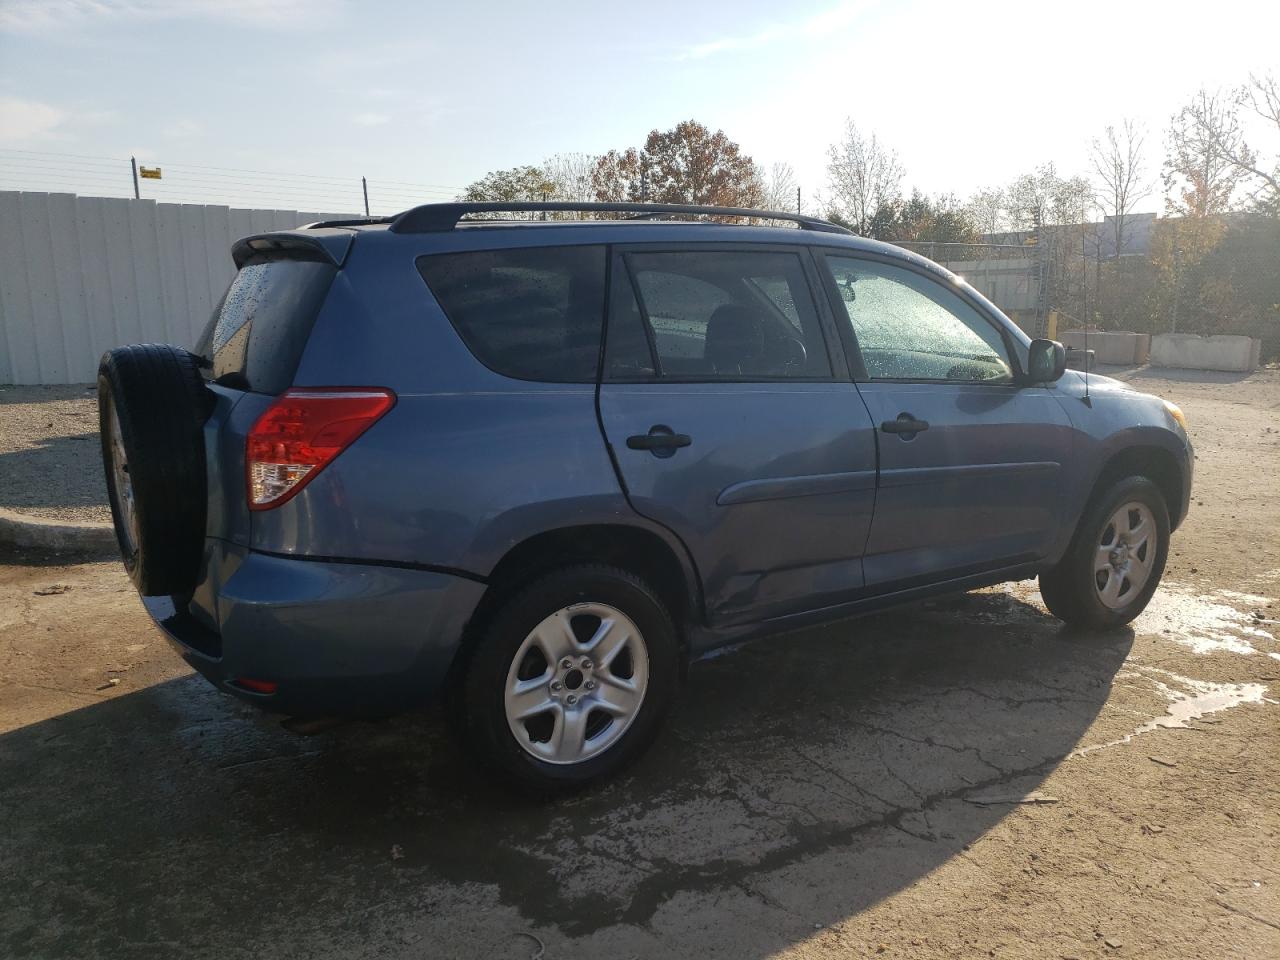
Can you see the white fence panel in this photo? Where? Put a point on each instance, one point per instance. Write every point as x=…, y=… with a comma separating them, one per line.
x=80, y=275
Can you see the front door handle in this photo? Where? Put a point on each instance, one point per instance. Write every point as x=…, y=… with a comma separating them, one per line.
x=661, y=441
x=906, y=425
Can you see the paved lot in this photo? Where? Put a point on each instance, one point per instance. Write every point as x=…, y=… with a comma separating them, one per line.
x=848, y=791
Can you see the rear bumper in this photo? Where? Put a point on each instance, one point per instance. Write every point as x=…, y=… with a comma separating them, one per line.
x=335, y=638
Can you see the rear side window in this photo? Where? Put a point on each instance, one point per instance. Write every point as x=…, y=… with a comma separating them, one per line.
x=535, y=313
x=257, y=332
x=715, y=315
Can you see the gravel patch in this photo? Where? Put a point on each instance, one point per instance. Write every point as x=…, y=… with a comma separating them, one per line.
x=50, y=465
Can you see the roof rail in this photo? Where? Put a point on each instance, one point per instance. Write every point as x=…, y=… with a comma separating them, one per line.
x=442, y=217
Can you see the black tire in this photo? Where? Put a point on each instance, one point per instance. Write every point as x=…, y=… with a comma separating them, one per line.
x=159, y=397
x=481, y=713
x=1069, y=590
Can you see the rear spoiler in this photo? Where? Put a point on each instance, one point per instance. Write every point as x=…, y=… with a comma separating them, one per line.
x=323, y=246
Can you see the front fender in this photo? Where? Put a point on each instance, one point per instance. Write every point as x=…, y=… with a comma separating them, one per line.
x=1115, y=425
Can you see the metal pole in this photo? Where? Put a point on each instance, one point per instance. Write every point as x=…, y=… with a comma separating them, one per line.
x=364, y=184
x=798, y=210
x=137, y=194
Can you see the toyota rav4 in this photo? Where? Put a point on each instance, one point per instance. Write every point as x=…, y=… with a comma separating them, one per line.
x=531, y=469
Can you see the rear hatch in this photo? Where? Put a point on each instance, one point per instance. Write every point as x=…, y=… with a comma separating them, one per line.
x=250, y=350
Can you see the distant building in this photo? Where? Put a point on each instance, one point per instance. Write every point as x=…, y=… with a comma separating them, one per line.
x=1099, y=237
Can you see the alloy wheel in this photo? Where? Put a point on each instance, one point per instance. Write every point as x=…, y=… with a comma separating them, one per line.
x=576, y=683
x=1124, y=555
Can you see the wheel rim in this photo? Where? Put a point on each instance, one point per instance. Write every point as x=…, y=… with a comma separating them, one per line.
x=124, y=486
x=576, y=683
x=1125, y=554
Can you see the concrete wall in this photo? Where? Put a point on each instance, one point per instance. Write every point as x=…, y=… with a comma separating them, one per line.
x=1193, y=352
x=1114, y=347
x=80, y=275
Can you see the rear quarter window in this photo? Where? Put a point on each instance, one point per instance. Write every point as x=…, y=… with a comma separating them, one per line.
x=257, y=333
x=532, y=314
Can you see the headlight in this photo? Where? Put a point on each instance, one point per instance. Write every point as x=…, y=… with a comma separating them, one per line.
x=1175, y=411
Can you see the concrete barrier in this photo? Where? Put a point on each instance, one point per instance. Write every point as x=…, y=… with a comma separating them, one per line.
x=1118, y=347
x=1191, y=351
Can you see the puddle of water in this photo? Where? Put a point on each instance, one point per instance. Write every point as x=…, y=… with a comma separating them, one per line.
x=1207, y=623
x=1195, y=699
x=1203, y=622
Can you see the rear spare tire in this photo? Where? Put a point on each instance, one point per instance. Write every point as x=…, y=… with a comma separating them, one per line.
x=152, y=404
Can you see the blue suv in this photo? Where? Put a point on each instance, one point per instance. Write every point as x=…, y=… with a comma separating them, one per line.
x=531, y=468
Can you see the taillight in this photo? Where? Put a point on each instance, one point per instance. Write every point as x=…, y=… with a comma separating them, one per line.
x=301, y=432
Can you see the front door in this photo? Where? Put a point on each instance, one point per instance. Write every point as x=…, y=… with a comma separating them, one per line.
x=728, y=425
x=970, y=459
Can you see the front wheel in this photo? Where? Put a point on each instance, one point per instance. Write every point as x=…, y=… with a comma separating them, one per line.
x=571, y=679
x=1115, y=560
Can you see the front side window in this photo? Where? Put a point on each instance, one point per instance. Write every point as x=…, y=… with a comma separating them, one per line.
x=910, y=327
x=715, y=315
x=534, y=313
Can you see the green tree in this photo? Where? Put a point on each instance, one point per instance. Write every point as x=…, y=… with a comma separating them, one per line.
x=517, y=183
x=923, y=218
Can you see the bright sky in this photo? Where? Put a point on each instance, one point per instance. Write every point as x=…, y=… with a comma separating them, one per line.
x=437, y=94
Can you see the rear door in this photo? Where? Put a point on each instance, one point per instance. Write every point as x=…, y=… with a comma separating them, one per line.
x=729, y=425
x=970, y=459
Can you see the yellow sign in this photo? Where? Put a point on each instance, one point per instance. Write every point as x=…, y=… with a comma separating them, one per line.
x=149, y=173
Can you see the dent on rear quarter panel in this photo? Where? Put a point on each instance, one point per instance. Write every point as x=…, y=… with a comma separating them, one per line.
x=455, y=481
x=467, y=464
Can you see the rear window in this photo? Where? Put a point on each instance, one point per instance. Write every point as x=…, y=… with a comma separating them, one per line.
x=533, y=313
x=715, y=315
x=258, y=330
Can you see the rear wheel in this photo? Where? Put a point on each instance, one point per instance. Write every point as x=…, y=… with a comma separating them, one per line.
x=152, y=403
x=1116, y=559
x=571, y=679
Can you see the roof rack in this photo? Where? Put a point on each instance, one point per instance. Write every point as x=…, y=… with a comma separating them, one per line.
x=353, y=222
x=442, y=217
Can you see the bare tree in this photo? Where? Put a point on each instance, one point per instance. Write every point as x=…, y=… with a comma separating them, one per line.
x=570, y=176
x=1262, y=95
x=986, y=209
x=1208, y=158
x=1043, y=198
x=779, y=186
x=864, y=175
x=1122, y=182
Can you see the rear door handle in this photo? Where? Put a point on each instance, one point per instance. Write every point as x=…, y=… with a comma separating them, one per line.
x=660, y=441
x=905, y=424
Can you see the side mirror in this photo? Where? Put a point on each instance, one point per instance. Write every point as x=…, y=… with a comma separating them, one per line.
x=1046, y=361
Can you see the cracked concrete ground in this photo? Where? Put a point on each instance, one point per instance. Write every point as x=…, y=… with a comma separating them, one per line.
x=847, y=791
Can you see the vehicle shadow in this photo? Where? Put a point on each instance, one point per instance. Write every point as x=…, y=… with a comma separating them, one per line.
x=808, y=777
